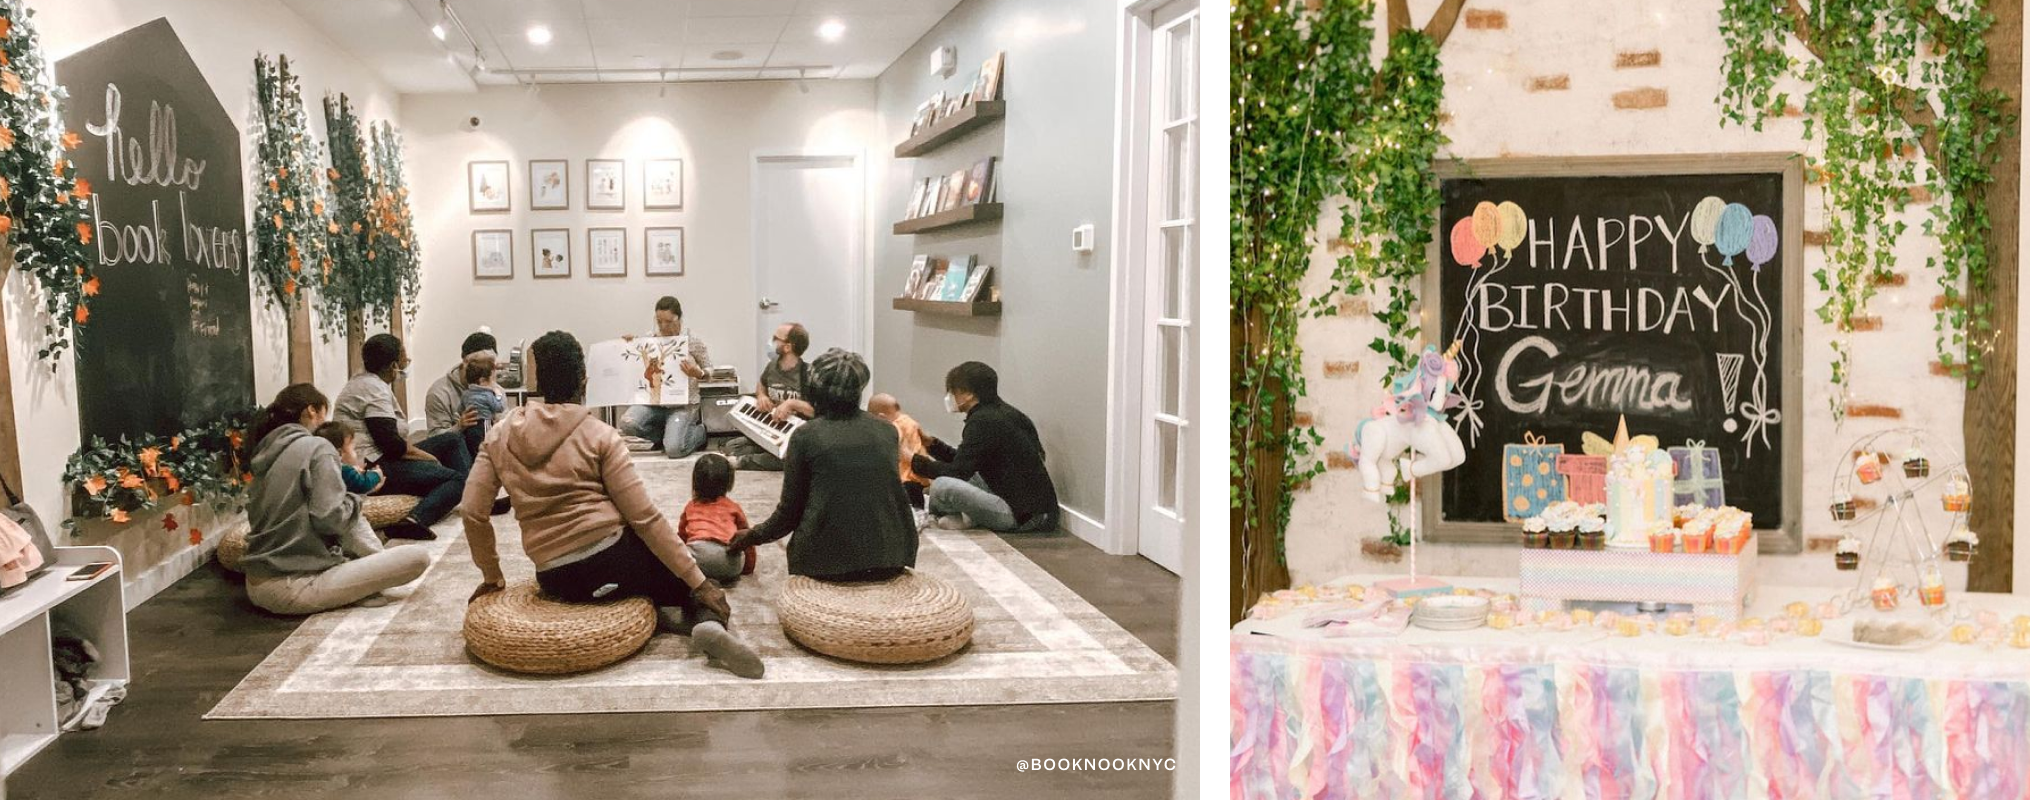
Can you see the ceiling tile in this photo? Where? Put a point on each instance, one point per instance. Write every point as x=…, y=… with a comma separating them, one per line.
x=613, y=33
x=905, y=27
x=857, y=7
x=733, y=29
x=750, y=56
x=741, y=8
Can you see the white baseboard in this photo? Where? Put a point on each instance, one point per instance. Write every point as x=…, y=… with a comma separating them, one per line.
x=144, y=585
x=1091, y=530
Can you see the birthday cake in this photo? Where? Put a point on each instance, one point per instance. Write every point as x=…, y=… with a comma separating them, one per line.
x=1638, y=490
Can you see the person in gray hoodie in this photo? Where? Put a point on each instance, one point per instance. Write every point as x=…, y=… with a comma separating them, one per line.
x=309, y=548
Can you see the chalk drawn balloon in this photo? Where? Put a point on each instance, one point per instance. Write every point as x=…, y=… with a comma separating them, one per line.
x=1486, y=223
x=1705, y=218
x=1514, y=225
x=1466, y=248
x=1730, y=237
x=1762, y=241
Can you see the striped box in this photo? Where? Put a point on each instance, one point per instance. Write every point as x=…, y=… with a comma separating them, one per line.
x=1714, y=583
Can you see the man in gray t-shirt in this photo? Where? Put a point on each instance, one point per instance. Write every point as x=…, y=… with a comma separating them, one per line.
x=679, y=429
x=779, y=393
x=433, y=469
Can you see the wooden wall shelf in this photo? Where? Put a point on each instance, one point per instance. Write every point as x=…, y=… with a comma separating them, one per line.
x=978, y=308
x=945, y=130
x=977, y=212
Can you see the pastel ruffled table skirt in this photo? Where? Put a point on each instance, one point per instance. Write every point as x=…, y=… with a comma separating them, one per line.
x=1381, y=719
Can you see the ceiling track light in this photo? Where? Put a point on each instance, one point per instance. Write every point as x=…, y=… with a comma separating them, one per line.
x=662, y=78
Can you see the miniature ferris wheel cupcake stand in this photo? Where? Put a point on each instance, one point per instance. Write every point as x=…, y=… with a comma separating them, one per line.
x=1904, y=515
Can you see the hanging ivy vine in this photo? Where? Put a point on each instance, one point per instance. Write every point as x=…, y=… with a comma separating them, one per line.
x=392, y=248
x=1315, y=119
x=351, y=205
x=43, y=201
x=1888, y=80
x=289, y=216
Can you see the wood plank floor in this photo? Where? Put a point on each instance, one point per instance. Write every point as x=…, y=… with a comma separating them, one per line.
x=193, y=643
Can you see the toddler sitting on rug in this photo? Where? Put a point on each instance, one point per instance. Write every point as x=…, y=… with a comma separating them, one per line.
x=359, y=479
x=885, y=406
x=711, y=518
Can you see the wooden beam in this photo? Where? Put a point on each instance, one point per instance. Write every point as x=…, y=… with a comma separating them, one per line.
x=1989, y=421
x=10, y=442
x=301, y=351
x=396, y=326
x=1257, y=565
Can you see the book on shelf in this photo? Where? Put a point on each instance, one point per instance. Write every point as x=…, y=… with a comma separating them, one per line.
x=979, y=184
x=955, y=190
x=921, y=122
x=954, y=285
x=916, y=272
x=915, y=201
x=933, y=280
x=928, y=205
x=988, y=85
x=975, y=282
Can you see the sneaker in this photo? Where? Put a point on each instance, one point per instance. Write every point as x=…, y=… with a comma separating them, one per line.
x=410, y=529
x=922, y=518
x=721, y=645
x=955, y=522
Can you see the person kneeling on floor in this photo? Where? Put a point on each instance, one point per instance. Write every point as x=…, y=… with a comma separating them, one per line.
x=995, y=478
x=308, y=546
x=587, y=520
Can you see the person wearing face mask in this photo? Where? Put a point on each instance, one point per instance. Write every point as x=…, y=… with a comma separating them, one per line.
x=679, y=429
x=779, y=393
x=995, y=478
x=433, y=469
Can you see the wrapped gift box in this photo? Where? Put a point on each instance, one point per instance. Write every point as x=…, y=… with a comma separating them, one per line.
x=1698, y=476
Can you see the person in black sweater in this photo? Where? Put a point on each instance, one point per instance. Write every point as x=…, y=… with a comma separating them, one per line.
x=995, y=478
x=839, y=492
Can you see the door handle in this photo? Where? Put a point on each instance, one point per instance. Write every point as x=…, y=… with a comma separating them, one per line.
x=767, y=304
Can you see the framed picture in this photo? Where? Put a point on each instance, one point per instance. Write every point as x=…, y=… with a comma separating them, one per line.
x=550, y=249
x=605, y=184
x=493, y=255
x=606, y=252
x=665, y=251
x=486, y=186
x=663, y=184
x=549, y=184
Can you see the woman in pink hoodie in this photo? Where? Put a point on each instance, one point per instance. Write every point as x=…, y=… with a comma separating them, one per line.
x=587, y=521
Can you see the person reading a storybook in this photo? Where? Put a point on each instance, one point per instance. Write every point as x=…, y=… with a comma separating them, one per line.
x=995, y=478
x=779, y=393
x=678, y=429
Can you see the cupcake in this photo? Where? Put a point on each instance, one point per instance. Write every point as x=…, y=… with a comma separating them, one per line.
x=1958, y=495
x=1843, y=507
x=1663, y=538
x=1868, y=467
x=1915, y=465
x=1684, y=513
x=1536, y=535
x=1961, y=545
x=1884, y=594
x=1931, y=589
x=1810, y=626
x=1592, y=534
x=1564, y=533
x=1848, y=556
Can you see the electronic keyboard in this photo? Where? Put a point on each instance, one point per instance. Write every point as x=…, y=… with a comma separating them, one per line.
x=772, y=434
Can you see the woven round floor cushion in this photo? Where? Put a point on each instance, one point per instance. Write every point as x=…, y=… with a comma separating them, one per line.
x=520, y=630
x=910, y=619
x=380, y=511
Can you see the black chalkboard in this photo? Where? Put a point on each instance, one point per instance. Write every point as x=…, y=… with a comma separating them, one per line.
x=1606, y=303
x=170, y=341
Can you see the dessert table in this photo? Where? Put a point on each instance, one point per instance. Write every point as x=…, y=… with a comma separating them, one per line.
x=1487, y=713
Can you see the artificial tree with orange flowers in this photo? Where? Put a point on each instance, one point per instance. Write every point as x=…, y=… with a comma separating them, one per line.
x=290, y=223
x=43, y=202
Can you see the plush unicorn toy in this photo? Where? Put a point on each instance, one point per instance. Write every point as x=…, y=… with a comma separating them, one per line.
x=1412, y=418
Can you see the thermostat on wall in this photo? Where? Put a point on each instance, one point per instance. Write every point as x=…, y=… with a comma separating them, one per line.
x=1082, y=238
x=944, y=61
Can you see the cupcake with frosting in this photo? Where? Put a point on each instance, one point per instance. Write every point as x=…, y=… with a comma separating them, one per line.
x=1883, y=594
x=1536, y=535
x=1960, y=546
x=1592, y=533
x=1843, y=506
x=1867, y=468
x=1848, y=555
x=1915, y=465
x=1663, y=538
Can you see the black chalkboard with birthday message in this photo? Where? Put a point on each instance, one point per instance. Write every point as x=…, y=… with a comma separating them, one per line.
x=1583, y=290
x=170, y=341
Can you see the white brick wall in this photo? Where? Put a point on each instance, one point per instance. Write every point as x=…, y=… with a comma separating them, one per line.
x=1488, y=72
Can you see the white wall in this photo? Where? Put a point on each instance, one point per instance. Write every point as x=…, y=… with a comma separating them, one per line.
x=715, y=128
x=1493, y=114
x=1056, y=149
x=222, y=37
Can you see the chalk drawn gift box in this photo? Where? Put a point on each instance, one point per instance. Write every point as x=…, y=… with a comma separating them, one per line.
x=1717, y=584
x=1529, y=478
x=1585, y=478
x=1698, y=476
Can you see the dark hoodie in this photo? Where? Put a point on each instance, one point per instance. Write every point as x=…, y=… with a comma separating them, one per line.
x=572, y=484
x=297, y=509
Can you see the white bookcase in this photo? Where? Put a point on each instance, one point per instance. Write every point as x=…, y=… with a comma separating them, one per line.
x=28, y=720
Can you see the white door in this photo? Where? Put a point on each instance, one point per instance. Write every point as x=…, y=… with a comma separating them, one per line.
x=1169, y=313
x=808, y=222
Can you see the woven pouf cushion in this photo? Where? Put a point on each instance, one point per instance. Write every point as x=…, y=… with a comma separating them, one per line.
x=382, y=510
x=519, y=630
x=232, y=547
x=907, y=620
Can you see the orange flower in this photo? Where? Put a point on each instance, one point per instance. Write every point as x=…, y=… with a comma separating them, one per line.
x=6, y=27
x=246, y=477
x=289, y=205
x=169, y=479
x=295, y=265
x=150, y=457
x=289, y=288
x=6, y=189
x=84, y=188
x=85, y=232
x=355, y=227
x=120, y=515
x=272, y=187
x=57, y=168
x=173, y=442
x=189, y=499
x=282, y=172
x=333, y=172
x=83, y=314
x=71, y=140
x=131, y=480
x=95, y=484
x=331, y=228
x=169, y=522
x=63, y=198
x=278, y=222
x=92, y=287
x=6, y=138
x=6, y=224
x=370, y=255
x=4, y=60
x=196, y=537
x=234, y=438
x=317, y=207
x=10, y=81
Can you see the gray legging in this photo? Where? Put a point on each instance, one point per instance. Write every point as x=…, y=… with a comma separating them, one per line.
x=717, y=562
x=368, y=570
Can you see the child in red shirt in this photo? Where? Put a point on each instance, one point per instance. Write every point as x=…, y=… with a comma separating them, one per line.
x=711, y=518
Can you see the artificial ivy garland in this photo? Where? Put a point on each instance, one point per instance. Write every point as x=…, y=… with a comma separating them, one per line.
x=1887, y=79
x=351, y=204
x=392, y=248
x=116, y=480
x=44, y=200
x=1314, y=120
x=290, y=225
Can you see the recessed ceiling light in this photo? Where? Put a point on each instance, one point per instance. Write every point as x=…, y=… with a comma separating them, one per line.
x=437, y=30
x=831, y=30
x=539, y=34
x=727, y=55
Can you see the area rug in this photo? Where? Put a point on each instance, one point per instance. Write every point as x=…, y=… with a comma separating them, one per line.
x=1035, y=641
